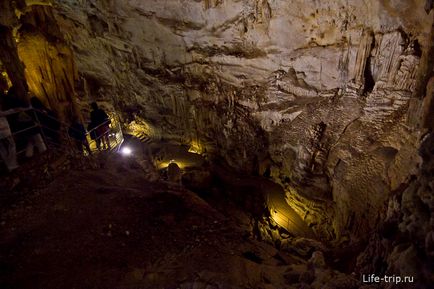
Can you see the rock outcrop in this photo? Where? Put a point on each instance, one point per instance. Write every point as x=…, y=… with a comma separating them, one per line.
x=317, y=93
x=321, y=96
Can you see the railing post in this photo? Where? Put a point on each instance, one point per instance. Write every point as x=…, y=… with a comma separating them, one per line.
x=40, y=126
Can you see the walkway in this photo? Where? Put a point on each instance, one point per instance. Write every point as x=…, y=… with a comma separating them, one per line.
x=251, y=187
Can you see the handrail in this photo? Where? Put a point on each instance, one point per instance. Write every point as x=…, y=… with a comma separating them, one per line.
x=64, y=129
x=18, y=110
x=65, y=124
x=25, y=109
x=87, y=134
x=6, y=113
x=25, y=129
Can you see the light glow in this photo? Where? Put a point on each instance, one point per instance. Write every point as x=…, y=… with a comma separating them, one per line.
x=165, y=163
x=140, y=128
x=8, y=80
x=126, y=151
x=196, y=148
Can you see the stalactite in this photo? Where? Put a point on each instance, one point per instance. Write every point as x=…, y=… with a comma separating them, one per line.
x=362, y=55
x=388, y=50
x=234, y=99
x=404, y=74
x=344, y=63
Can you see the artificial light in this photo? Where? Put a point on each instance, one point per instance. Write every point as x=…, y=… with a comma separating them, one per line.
x=126, y=151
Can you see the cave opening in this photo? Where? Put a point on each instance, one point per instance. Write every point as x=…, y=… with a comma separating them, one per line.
x=170, y=144
x=369, y=79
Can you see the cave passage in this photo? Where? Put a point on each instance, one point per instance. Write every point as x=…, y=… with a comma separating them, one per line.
x=216, y=144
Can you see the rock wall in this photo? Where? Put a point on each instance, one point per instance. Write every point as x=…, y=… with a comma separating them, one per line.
x=315, y=93
x=35, y=55
x=10, y=63
x=50, y=68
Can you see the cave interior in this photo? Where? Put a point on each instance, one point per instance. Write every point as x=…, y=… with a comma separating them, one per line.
x=244, y=144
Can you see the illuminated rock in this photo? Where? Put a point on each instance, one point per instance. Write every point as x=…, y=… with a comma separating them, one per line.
x=330, y=99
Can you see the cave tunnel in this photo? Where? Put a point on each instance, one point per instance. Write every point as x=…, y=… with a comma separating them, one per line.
x=216, y=144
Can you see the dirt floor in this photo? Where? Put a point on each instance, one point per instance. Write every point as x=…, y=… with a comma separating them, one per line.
x=108, y=226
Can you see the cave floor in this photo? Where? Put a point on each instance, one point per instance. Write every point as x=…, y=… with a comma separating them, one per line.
x=111, y=228
x=107, y=226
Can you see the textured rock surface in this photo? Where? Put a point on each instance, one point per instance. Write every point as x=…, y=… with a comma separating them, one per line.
x=324, y=96
x=315, y=92
x=404, y=244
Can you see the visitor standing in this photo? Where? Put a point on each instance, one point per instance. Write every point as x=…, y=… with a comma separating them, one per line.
x=7, y=144
x=100, y=121
x=22, y=124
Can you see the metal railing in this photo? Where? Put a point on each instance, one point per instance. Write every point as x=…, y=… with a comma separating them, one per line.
x=64, y=141
x=115, y=136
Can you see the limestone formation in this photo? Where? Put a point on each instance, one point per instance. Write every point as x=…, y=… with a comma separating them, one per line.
x=332, y=99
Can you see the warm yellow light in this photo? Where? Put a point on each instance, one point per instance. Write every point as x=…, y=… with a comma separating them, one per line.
x=39, y=2
x=8, y=80
x=195, y=147
x=165, y=163
x=139, y=129
x=279, y=218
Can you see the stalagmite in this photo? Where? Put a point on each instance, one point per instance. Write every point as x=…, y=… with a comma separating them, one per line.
x=325, y=106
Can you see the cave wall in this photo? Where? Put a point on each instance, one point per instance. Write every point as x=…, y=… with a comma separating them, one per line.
x=316, y=92
x=36, y=57
x=11, y=65
x=48, y=59
x=321, y=94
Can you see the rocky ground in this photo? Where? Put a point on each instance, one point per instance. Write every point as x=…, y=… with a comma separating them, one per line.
x=104, y=224
x=330, y=100
x=324, y=97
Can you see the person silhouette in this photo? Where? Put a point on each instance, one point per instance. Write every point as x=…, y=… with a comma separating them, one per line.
x=100, y=121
